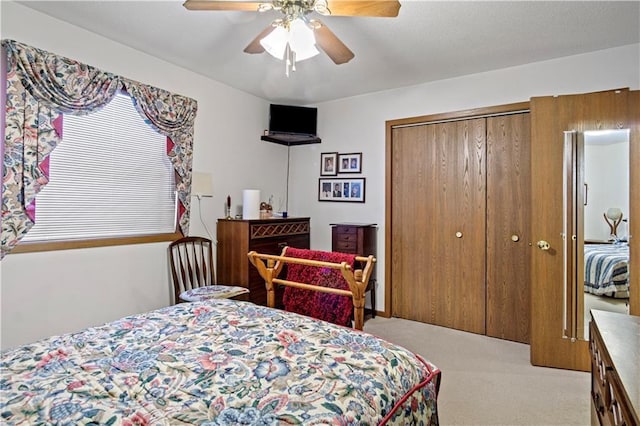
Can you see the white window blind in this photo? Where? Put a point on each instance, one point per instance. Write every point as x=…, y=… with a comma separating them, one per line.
x=109, y=177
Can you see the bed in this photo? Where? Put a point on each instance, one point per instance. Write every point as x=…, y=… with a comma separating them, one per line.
x=607, y=269
x=218, y=362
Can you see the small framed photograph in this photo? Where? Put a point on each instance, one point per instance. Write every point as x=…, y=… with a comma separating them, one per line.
x=328, y=164
x=338, y=189
x=350, y=163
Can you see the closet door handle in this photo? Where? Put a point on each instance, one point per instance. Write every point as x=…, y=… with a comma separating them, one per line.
x=543, y=245
x=458, y=234
x=515, y=238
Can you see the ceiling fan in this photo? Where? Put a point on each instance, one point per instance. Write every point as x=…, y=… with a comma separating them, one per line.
x=293, y=37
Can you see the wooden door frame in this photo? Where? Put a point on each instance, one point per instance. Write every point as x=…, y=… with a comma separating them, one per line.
x=513, y=108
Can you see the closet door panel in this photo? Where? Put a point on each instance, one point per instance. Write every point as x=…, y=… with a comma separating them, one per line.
x=412, y=238
x=508, y=231
x=464, y=194
x=438, y=224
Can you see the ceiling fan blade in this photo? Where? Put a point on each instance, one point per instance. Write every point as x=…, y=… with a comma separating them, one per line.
x=250, y=6
x=379, y=8
x=332, y=45
x=255, y=46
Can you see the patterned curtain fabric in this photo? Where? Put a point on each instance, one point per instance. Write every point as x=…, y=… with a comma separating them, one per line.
x=173, y=116
x=41, y=86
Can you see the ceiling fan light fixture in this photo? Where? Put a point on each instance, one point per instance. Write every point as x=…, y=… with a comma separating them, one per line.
x=302, y=40
x=276, y=42
x=299, y=38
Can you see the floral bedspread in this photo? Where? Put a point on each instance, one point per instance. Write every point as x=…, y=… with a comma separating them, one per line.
x=219, y=362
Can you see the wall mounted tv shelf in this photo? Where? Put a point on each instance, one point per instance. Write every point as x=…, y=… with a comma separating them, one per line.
x=291, y=139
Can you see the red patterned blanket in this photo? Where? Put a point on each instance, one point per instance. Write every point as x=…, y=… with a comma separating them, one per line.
x=328, y=307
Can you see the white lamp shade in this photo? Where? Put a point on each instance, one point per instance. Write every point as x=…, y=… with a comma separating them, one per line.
x=299, y=37
x=275, y=42
x=614, y=213
x=302, y=40
x=201, y=184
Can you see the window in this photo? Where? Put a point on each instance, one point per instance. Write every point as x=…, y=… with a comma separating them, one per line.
x=109, y=177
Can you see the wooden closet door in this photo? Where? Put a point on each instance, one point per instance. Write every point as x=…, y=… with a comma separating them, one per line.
x=508, y=230
x=438, y=224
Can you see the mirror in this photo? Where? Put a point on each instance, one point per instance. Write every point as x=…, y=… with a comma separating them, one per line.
x=604, y=170
x=595, y=227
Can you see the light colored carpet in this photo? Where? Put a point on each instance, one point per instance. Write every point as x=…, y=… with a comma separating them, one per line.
x=602, y=303
x=487, y=381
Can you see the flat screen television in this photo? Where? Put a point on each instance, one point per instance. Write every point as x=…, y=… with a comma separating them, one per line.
x=292, y=125
x=293, y=119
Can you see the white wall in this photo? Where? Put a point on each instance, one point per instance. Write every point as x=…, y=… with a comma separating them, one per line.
x=55, y=292
x=357, y=124
x=606, y=170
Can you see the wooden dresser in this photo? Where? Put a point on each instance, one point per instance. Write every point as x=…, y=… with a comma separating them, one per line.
x=360, y=239
x=236, y=238
x=614, y=344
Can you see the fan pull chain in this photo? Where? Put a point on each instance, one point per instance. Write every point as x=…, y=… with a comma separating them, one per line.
x=289, y=60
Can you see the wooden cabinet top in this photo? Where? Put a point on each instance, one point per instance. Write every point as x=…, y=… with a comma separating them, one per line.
x=269, y=220
x=621, y=336
x=358, y=225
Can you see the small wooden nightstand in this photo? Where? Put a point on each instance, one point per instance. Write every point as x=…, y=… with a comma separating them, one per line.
x=360, y=239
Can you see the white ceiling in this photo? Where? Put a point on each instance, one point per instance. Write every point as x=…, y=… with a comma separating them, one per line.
x=428, y=41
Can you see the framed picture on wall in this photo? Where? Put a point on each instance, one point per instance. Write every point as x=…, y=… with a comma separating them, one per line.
x=328, y=164
x=345, y=190
x=350, y=163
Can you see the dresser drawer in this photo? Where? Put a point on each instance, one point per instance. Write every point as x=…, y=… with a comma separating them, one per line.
x=614, y=345
x=275, y=245
x=345, y=229
x=347, y=237
x=620, y=413
x=600, y=390
x=346, y=246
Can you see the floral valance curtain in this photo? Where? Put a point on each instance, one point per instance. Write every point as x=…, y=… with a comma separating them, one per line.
x=40, y=87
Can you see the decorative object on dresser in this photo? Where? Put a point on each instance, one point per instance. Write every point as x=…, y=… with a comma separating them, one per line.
x=236, y=238
x=341, y=189
x=614, y=344
x=193, y=273
x=359, y=239
x=228, y=208
x=251, y=204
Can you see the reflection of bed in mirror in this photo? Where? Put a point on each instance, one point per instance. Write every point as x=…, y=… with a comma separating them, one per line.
x=607, y=269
